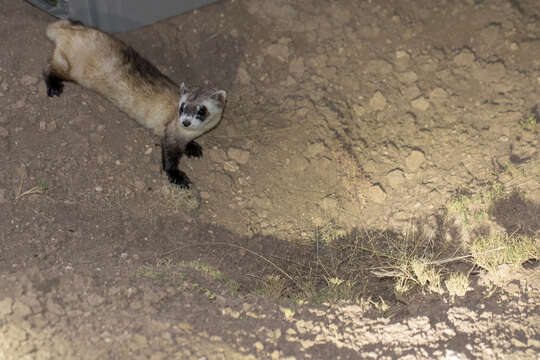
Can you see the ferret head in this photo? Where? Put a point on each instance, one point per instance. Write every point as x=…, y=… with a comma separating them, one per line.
x=200, y=110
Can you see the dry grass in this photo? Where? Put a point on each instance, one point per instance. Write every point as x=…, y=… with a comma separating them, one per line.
x=491, y=251
x=181, y=200
x=39, y=189
x=457, y=284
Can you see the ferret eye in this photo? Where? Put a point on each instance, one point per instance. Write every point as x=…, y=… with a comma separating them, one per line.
x=202, y=112
x=181, y=108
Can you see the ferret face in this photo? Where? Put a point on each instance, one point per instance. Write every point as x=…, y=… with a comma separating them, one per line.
x=201, y=109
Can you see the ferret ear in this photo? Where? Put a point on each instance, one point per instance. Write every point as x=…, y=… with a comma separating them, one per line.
x=220, y=96
x=183, y=89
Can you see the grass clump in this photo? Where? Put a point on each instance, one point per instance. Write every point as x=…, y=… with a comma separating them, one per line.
x=474, y=208
x=40, y=188
x=529, y=123
x=491, y=251
x=457, y=284
x=181, y=199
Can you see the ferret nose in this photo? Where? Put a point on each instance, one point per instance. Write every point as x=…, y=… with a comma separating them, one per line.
x=186, y=123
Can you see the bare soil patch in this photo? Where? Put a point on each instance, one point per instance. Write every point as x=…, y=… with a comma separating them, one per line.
x=366, y=148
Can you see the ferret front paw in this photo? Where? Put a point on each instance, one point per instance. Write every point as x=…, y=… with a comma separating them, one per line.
x=179, y=178
x=193, y=149
x=55, y=86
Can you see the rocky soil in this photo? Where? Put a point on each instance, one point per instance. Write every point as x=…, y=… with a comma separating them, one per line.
x=365, y=115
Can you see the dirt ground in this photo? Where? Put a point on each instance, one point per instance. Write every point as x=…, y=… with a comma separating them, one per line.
x=359, y=115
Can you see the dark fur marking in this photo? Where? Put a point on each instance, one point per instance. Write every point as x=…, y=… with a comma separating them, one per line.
x=170, y=156
x=54, y=83
x=193, y=149
x=140, y=65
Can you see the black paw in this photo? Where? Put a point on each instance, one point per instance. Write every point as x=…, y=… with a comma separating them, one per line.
x=179, y=178
x=193, y=149
x=55, y=86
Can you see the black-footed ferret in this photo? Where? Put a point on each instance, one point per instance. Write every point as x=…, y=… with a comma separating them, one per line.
x=102, y=63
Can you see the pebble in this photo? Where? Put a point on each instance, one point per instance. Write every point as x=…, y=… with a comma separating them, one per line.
x=378, y=101
x=420, y=104
x=240, y=156
x=51, y=126
x=296, y=67
x=438, y=93
x=243, y=76
x=28, y=80
x=376, y=194
x=465, y=58
x=414, y=160
x=395, y=177
x=408, y=77
x=489, y=72
x=358, y=110
x=5, y=307
x=315, y=149
x=231, y=166
x=402, y=60
x=98, y=188
x=411, y=92
x=278, y=51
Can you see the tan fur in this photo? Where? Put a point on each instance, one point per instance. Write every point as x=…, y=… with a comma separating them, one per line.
x=94, y=60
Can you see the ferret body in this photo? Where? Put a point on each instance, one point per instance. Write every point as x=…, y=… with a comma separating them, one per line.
x=106, y=65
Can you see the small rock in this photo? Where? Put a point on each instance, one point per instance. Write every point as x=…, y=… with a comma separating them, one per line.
x=278, y=51
x=98, y=188
x=316, y=149
x=395, y=177
x=296, y=67
x=28, y=80
x=4, y=132
x=42, y=125
x=258, y=346
x=240, y=156
x=376, y=194
x=414, y=160
x=243, y=76
x=408, y=77
x=464, y=58
x=139, y=185
x=148, y=151
x=378, y=67
x=438, y=93
x=378, y=101
x=411, y=92
x=5, y=307
x=420, y=104
x=402, y=60
x=489, y=72
x=358, y=110
x=21, y=310
x=216, y=155
x=230, y=166
x=51, y=126
x=205, y=195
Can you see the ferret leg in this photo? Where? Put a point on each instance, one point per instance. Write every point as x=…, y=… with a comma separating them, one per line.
x=54, y=83
x=170, y=156
x=193, y=149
